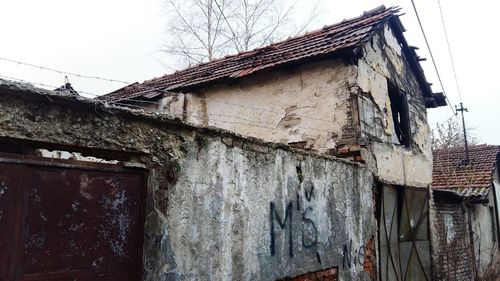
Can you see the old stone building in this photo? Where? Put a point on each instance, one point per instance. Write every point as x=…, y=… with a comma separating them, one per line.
x=465, y=212
x=354, y=89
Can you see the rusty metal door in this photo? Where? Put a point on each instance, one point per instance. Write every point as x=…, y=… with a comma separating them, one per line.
x=70, y=222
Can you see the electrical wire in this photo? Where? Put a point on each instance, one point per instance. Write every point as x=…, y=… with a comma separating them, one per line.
x=210, y=116
x=449, y=51
x=444, y=122
x=432, y=56
x=64, y=72
x=51, y=87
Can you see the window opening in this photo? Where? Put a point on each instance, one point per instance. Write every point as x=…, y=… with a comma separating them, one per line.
x=400, y=116
x=493, y=225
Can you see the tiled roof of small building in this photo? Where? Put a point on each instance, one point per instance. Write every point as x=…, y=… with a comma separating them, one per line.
x=474, y=178
x=327, y=42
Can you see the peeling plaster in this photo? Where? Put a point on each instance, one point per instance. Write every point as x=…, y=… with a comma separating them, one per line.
x=384, y=61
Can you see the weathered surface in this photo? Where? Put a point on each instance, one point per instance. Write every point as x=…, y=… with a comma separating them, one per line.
x=262, y=220
x=384, y=62
x=219, y=206
x=326, y=106
x=308, y=105
x=452, y=250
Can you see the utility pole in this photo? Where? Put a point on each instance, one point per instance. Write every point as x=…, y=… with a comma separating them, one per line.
x=462, y=109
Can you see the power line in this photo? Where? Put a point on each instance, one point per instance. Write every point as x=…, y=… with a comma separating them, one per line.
x=432, y=56
x=65, y=72
x=442, y=124
x=449, y=51
x=236, y=119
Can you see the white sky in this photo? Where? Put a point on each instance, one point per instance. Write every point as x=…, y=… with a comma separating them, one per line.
x=122, y=39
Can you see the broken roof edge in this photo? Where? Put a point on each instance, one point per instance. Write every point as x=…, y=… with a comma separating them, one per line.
x=432, y=100
x=26, y=91
x=454, y=196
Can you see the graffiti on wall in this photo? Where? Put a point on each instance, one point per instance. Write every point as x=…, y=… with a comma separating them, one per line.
x=297, y=219
x=308, y=232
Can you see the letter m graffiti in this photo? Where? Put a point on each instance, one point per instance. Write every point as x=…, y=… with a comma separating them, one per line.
x=287, y=221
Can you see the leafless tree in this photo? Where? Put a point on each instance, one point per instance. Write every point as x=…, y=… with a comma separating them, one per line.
x=203, y=30
x=450, y=134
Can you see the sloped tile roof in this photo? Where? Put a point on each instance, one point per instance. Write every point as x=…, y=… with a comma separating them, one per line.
x=327, y=41
x=468, y=179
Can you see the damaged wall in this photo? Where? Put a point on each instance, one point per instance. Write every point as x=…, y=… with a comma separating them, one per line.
x=307, y=106
x=384, y=64
x=452, y=251
x=219, y=206
x=329, y=106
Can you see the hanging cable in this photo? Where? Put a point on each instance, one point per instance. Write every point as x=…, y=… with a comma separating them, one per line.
x=449, y=51
x=50, y=87
x=64, y=72
x=432, y=56
x=443, y=123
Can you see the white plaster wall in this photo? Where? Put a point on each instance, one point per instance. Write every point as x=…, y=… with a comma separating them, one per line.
x=309, y=103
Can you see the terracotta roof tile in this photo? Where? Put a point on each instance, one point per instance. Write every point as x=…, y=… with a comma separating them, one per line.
x=473, y=178
x=327, y=41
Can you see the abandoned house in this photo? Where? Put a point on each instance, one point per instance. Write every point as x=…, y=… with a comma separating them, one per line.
x=465, y=211
x=236, y=169
x=354, y=89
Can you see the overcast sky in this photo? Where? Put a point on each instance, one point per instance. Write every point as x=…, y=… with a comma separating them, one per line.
x=122, y=39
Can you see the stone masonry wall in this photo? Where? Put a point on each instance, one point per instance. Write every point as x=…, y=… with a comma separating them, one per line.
x=219, y=206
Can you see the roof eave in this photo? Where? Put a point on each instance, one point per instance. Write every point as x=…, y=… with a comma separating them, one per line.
x=347, y=53
x=432, y=100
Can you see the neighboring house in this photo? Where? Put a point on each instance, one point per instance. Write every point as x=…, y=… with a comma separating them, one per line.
x=466, y=210
x=353, y=89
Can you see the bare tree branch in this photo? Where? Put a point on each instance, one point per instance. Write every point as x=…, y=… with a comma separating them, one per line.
x=219, y=27
x=450, y=134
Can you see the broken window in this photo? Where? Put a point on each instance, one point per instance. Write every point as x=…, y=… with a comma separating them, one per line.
x=400, y=116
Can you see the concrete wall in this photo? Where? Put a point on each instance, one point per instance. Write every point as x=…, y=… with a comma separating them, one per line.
x=240, y=215
x=384, y=62
x=219, y=206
